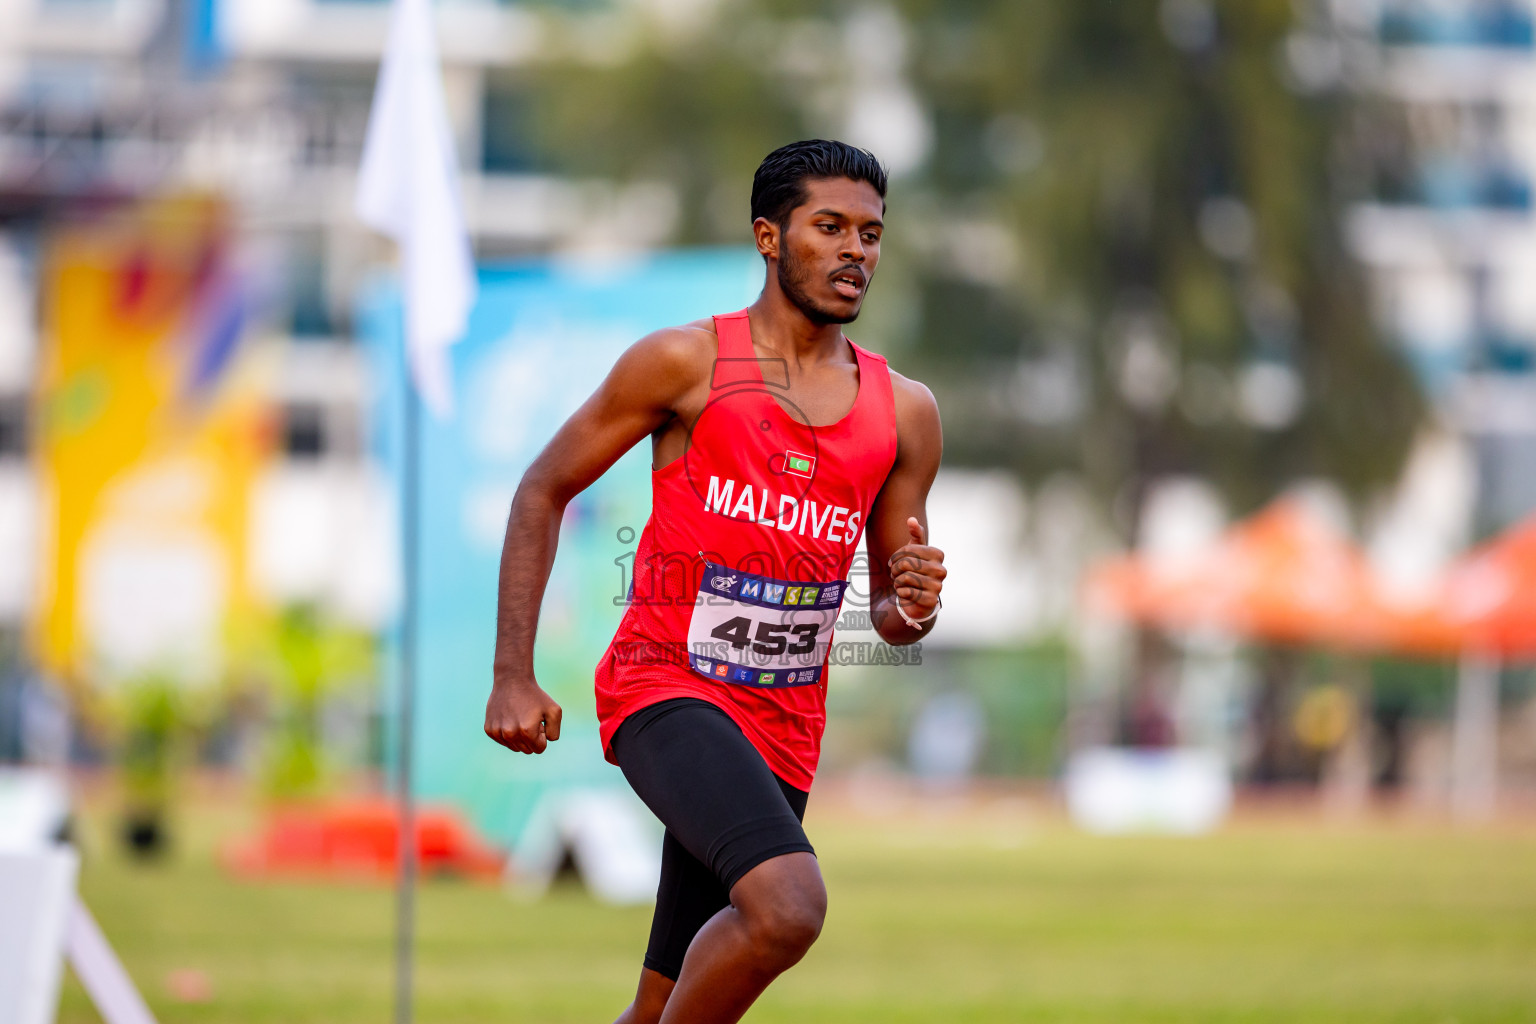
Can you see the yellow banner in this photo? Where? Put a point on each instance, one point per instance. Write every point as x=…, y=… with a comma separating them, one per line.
x=148, y=443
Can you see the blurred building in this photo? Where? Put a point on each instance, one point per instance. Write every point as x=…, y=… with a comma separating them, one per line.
x=264, y=105
x=1448, y=132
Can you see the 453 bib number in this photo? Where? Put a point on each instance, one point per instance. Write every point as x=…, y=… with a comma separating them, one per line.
x=769, y=637
x=758, y=631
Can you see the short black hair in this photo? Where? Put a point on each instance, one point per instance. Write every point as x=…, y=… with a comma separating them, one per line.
x=779, y=184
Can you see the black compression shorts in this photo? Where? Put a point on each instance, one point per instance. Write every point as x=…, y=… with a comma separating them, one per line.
x=725, y=812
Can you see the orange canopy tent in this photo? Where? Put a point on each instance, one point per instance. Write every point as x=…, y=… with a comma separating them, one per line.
x=1486, y=612
x=1487, y=603
x=1283, y=575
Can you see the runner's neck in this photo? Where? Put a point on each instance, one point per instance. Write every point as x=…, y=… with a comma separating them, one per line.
x=782, y=329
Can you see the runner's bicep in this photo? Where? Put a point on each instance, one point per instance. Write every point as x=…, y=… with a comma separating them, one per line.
x=634, y=401
x=920, y=445
x=595, y=437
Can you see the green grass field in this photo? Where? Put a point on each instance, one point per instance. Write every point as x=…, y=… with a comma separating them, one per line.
x=998, y=912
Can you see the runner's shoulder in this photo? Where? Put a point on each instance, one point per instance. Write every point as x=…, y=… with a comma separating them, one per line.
x=912, y=396
x=919, y=434
x=681, y=355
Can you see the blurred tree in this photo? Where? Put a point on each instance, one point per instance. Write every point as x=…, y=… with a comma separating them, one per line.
x=313, y=661
x=1182, y=301
x=157, y=721
x=1122, y=255
x=695, y=108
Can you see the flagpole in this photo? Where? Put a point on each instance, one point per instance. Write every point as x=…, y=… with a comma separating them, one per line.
x=407, y=189
x=405, y=891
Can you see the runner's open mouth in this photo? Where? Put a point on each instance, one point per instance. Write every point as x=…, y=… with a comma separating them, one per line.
x=848, y=283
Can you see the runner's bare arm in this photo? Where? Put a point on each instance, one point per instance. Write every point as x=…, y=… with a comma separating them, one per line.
x=902, y=565
x=647, y=388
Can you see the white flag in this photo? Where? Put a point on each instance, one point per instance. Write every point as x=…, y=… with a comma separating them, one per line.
x=408, y=189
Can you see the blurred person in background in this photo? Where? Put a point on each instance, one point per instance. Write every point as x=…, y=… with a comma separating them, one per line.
x=776, y=443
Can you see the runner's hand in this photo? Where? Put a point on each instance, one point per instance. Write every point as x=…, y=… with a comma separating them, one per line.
x=917, y=571
x=522, y=717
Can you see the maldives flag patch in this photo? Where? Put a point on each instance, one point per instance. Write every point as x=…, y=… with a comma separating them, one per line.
x=797, y=464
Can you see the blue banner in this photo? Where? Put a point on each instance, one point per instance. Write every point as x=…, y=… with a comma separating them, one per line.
x=540, y=339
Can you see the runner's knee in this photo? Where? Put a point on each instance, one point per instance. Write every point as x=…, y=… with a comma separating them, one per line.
x=784, y=911
x=783, y=934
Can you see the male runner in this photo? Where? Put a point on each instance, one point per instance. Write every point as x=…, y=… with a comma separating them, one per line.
x=776, y=442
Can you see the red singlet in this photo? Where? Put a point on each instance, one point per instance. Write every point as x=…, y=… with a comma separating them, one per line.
x=742, y=567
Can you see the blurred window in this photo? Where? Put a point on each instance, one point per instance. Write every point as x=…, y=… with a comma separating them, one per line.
x=1509, y=460
x=1501, y=23
x=13, y=426
x=304, y=430
x=311, y=312
x=332, y=103
x=309, y=301
x=1447, y=156
x=567, y=4
x=63, y=84
x=505, y=141
x=1504, y=354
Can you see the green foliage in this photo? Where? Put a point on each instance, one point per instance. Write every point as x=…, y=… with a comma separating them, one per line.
x=698, y=113
x=312, y=660
x=158, y=724
x=1146, y=145
x=157, y=727
x=1022, y=694
x=1109, y=181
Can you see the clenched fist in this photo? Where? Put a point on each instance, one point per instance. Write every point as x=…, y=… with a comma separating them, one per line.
x=917, y=572
x=522, y=717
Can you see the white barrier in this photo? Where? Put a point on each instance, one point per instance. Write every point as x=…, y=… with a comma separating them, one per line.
x=37, y=889
x=41, y=919
x=1118, y=790
x=609, y=835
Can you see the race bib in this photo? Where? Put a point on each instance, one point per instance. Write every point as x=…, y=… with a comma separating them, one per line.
x=759, y=631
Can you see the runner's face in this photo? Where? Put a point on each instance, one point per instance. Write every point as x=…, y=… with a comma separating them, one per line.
x=829, y=248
